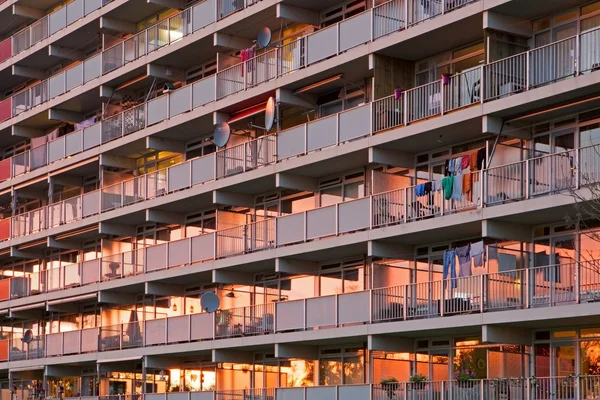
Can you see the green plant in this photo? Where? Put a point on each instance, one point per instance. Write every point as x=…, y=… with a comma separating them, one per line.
x=389, y=385
x=418, y=381
x=464, y=375
x=417, y=378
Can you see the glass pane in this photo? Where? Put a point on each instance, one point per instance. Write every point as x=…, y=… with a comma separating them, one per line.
x=354, y=370
x=331, y=196
x=330, y=372
x=564, y=360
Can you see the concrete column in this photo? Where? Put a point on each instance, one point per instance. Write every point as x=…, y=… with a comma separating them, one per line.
x=387, y=249
x=232, y=199
x=293, y=266
x=232, y=277
x=380, y=155
x=115, y=25
x=232, y=356
x=28, y=72
x=506, y=335
x=232, y=42
x=297, y=14
x=296, y=182
x=505, y=230
x=162, y=144
x=163, y=289
x=285, y=350
x=164, y=217
x=27, y=12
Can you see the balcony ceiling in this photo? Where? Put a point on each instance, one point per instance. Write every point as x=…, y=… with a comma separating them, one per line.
x=251, y=25
x=135, y=11
x=315, y=5
x=532, y=9
x=9, y=22
x=436, y=41
x=40, y=4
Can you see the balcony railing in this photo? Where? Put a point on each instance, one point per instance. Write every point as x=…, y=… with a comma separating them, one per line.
x=153, y=38
x=540, y=388
x=494, y=80
x=47, y=26
x=546, y=286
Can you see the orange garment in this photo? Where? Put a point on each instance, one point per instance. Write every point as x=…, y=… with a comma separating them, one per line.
x=467, y=185
x=474, y=161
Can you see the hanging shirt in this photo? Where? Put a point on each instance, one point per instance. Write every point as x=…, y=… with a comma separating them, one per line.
x=481, y=158
x=465, y=162
x=464, y=261
x=447, y=183
x=473, y=162
x=457, y=187
x=467, y=186
x=478, y=253
x=436, y=186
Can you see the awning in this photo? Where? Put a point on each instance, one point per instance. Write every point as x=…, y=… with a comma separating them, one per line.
x=248, y=112
x=28, y=307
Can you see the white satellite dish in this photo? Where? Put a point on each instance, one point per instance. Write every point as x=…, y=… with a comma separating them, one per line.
x=210, y=302
x=264, y=38
x=221, y=134
x=269, y=114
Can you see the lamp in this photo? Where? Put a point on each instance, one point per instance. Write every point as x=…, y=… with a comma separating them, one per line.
x=175, y=307
x=192, y=309
x=230, y=295
x=162, y=374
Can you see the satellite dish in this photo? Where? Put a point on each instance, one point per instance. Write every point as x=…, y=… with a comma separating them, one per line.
x=210, y=302
x=264, y=37
x=222, y=134
x=28, y=336
x=269, y=114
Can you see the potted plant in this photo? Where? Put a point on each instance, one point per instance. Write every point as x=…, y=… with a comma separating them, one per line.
x=418, y=381
x=389, y=386
x=463, y=376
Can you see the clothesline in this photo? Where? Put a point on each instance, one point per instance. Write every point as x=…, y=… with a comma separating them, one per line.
x=458, y=177
x=474, y=252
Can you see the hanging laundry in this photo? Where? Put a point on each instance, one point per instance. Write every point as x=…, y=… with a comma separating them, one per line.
x=427, y=188
x=420, y=190
x=481, y=158
x=458, y=165
x=478, y=253
x=473, y=161
x=436, y=186
x=457, y=187
x=467, y=185
x=449, y=266
x=447, y=183
x=447, y=168
x=85, y=124
x=464, y=261
x=465, y=162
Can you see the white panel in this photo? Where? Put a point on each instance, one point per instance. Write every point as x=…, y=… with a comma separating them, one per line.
x=179, y=253
x=74, y=11
x=203, y=169
x=57, y=21
x=90, y=271
x=289, y=315
x=89, y=340
x=156, y=257
x=204, y=14
x=355, y=31
x=354, y=307
x=157, y=110
x=355, y=123
x=203, y=247
x=290, y=229
x=92, y=5
x=56, y=150
x=322, y=393
x=320, y=222
x=155, y=331
x=91, y=203
x=74, y=77
x=352, y=392
x=54, y=342
x=289, y=394
x=91, y=136
x=320, y=311
x=202, y=326
x=291, y=142
x=178, y=329
x=91, y=68
x=74, y=143
x=203, y=91
x=56, y=85
x=322, y=133
x=354, y=215
x=179, y=176
x=180, y=101
x=322, y=44
x=71, y=345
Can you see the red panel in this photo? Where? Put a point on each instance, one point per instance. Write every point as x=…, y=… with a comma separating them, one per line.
x=5, y=50
x=247, y=113
x=5, y=289
x=5, y=110
x=4, y=346
x=4, y=169
x=4, y=229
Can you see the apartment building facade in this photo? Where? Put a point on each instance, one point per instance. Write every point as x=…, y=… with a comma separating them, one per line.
x=420, y=222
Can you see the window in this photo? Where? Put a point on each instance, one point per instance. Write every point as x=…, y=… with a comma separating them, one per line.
x=341, y=189
x=341, y=12
x=453, y=62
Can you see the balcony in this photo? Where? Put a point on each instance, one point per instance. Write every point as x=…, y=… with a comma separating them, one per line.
x=153, y=38
x=538, y=388
x=547, y=286
x=47, y=26
x=496, y=80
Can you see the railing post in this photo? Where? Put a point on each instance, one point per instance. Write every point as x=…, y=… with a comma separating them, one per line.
x=405, y=302
x=442, y=92
x=527, y=65
x=482, y=84
x=405, y=205
x=483, y=293
x=527, y=179
x=577, y=55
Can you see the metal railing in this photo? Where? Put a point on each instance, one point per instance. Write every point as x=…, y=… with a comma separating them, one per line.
x=545, y=286
x=524, y=388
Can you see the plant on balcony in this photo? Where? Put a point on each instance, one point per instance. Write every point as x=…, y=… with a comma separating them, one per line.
x=418, y=381
x=463, y=376
x=389, y=385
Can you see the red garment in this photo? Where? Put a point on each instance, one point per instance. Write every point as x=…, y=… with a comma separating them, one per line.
x=466, y=160
x=244, y=57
